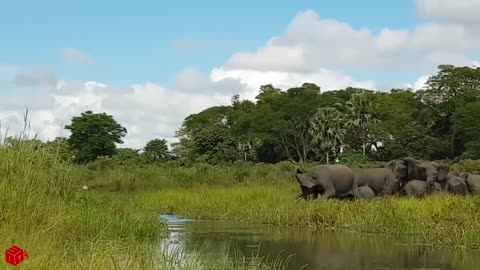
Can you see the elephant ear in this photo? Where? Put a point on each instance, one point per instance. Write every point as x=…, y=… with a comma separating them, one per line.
x=304, y=180
x=412, y=166
x=391, y=164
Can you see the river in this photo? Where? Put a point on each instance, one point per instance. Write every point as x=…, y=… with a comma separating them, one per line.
x=307, y=249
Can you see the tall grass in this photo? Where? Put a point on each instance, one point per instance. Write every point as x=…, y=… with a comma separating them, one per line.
x=439, y=220
x=114, y=223
x=45, y=210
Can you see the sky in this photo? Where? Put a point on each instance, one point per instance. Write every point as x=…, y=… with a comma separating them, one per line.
x=151, y=64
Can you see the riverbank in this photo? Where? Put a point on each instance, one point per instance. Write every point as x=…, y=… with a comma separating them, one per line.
x=48, y=208
x=438, y=220
x=102, y=216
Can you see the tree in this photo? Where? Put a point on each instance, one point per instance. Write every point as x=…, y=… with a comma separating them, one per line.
x=362, y=115
x=208, y=136
x=327, y=129
x=215, y=145
x=290, y=120
x=157, y=150
x=93, y=135
x=467, y=128
x=128, y=156
x=451, y=88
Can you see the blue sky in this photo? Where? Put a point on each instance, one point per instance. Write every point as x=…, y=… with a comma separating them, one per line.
x=132, y=42
x=151, y=64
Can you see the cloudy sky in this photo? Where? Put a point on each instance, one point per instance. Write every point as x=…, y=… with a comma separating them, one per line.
x=151, y=64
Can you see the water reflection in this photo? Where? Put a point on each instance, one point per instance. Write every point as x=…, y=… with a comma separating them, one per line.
x=308, y=249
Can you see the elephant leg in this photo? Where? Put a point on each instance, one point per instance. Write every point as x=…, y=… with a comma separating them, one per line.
x=430, y=186
x=355, y=192
x=329, y=192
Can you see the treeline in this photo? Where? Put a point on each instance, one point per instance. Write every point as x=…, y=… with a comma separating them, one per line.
x=93, y=140
x=441, y=121
x=303, y=124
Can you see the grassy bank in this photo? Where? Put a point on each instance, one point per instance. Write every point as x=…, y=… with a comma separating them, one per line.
x=114, y=223
x=45, y=210
x=439, y=220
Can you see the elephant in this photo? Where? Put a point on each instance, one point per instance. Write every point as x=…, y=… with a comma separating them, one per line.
x=473, y=182
x=406, y=169
x=382, y=181
x=365, y=192
x=456, y=184
x=418, y=188
x=327, y=181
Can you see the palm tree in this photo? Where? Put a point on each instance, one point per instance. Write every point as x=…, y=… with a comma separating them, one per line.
x=327, y=129
x=362, y=114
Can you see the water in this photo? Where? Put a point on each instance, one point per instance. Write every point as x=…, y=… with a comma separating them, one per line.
x=307, y=248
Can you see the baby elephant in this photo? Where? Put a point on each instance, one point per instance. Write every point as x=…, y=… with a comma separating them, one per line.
x=418, y=188
x=365, y=192
x=456, y=185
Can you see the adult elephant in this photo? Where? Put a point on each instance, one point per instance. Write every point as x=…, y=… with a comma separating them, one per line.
x=473, y=182
x=406, y=169
x=382, y=181
x=327, y=181
x=418, y=188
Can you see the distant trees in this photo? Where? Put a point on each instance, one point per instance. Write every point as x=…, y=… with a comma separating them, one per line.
x=305, y=124
x=302, y=123
x=467, y=129
x=93, y=135
x=157, y=150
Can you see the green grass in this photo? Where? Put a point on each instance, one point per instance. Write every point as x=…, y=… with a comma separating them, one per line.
x=45, y=210
x=439, y=220
x=114, y=224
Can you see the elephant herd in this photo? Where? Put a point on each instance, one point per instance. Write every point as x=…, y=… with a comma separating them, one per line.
x=402, y=177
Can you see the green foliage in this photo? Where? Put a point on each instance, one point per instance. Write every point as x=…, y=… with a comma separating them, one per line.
x=450, y=89
x=60, y=147
x=278, y=126
x=94, y=135
x=362, y=111
x=467, y=128
x=327, y=127
x=467, y=165
x=356, y=159
x=128, y=156
x=157, y=150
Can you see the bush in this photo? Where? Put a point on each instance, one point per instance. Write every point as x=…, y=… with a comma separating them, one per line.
x=467, y=165
x=355, y=159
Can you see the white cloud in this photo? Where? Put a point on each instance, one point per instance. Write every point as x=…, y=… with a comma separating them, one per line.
x=310, y=43
x=459, y=11
x=326, y=79
x=146, y=110
x=77, y=56
x=192, y=81
x=7, y=69
x=421, y=82
x=36, y=76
